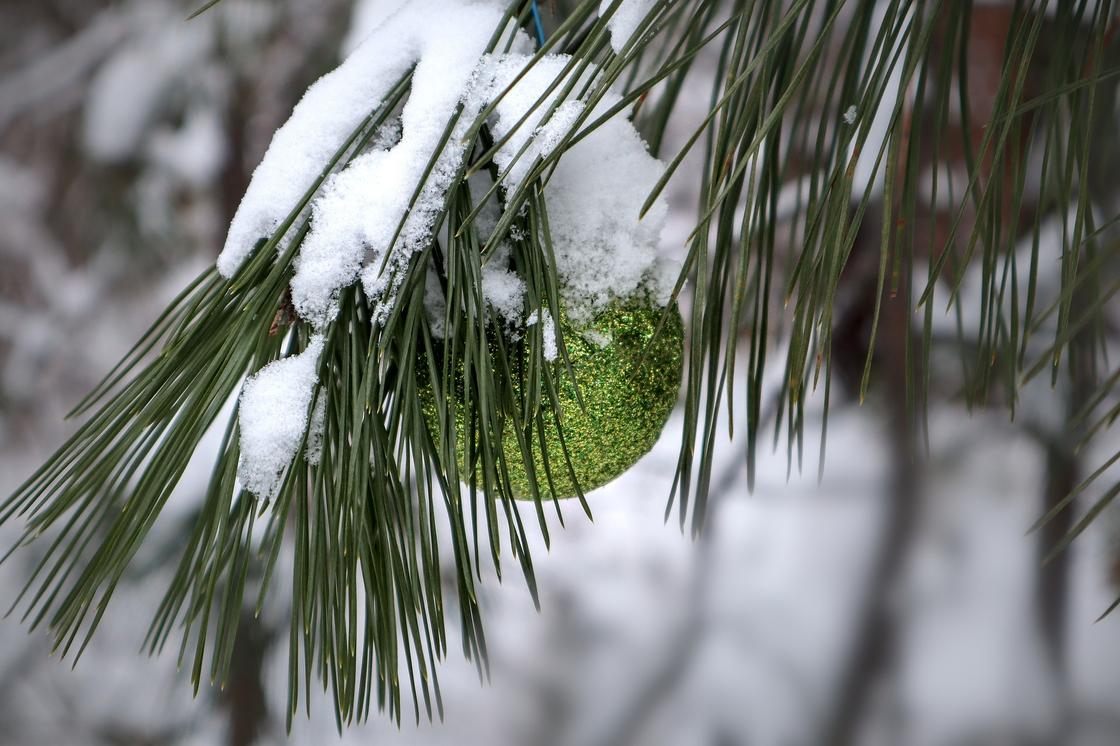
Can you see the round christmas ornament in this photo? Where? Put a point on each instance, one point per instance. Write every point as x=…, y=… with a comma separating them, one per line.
x=629, y=375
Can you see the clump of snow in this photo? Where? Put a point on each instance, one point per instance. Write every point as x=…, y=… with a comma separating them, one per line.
x=365, y=210
x=325, y=117
x=358, y=215
x=605, y=250
x=553, y=131
x=503, y=289
x=625, y=21
x=367, y=17
x=596, y=337
x=273, y=418
x=850, y=115
x=548, y=331
x=368, y=219
x=538, y=137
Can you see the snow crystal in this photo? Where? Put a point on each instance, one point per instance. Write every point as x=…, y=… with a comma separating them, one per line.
x=850, y=115
x=273, y=418
x=626, y=19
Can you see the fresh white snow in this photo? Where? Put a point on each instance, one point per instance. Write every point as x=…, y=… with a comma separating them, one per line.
x=605, y=250
x=370, y=218
x=626, y=19
x=503, y=289
x=368, y=208
x=273, y=418
x=329, y=112
x=548, y=331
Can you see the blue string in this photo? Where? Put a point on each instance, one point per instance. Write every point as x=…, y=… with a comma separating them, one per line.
x=538, y=24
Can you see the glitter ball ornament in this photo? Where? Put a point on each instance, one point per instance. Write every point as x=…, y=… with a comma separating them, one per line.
x=628, y=387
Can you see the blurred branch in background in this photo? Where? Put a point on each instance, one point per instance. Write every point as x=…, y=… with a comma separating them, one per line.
x=127, y=137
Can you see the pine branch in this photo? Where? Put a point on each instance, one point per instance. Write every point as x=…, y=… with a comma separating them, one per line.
x=806, y=97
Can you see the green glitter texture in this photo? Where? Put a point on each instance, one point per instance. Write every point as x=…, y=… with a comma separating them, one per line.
x=626, y=406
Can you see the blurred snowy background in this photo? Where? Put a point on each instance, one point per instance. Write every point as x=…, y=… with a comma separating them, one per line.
x=894, y=602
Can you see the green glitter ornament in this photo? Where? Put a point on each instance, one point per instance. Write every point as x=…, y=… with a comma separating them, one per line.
x=628, y=388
